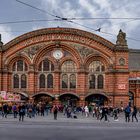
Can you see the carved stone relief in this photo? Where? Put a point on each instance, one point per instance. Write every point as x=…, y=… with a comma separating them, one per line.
x=32, y=50
x=84, y=51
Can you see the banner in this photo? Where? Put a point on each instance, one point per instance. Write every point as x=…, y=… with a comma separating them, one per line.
x=9, y=96
x=3, y=95
x=17, y=97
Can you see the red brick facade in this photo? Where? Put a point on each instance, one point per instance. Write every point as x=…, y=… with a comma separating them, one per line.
x=78, y=46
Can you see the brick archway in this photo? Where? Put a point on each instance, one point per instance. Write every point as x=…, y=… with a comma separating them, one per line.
x=43, y=97
x=97, y=98
x=69, y=99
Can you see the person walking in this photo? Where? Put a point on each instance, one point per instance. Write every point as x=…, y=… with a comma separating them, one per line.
x=104, y=114
x=115, y=114
x=55, y=111
x=5, y=110
x=134, y=114
x=21, y=112
x=14, y=109
x=127, y=113
x=86, y=111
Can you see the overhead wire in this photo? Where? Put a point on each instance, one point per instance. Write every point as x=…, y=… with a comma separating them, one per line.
x=41, y=10
x=77, y=18
x=23, y=21
x=71, y=19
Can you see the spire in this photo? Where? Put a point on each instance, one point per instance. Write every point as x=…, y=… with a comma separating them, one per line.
x=121, y=39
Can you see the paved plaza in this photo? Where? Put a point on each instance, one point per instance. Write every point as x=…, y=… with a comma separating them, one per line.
x=45, y=128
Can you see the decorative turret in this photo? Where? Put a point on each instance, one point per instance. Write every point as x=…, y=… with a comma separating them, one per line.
x=121, y=39
x=1, y=43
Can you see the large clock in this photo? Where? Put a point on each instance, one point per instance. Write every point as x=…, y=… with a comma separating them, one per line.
x=57, y=54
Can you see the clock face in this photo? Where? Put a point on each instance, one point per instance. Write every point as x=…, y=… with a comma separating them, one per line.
x=57, y=54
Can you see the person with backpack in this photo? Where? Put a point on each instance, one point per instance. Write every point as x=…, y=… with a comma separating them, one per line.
x=127, y=113
x=14, y=109
x=115, y=114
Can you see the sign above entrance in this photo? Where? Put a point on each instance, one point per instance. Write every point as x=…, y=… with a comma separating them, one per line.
x=121, y=86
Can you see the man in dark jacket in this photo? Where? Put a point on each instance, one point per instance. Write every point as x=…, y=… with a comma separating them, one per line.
x=127, y=113
x=55, y=111
x=5, y=110
x=21, y=112
x=134, y=114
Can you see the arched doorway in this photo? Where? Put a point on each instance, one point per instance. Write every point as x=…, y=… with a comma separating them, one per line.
x=69, y=99
x=23, y=96
x=97, y=99
x=43, y=98
x=131, y=98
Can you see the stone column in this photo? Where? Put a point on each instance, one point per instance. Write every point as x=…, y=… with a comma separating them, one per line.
x=31, y=80
x=82, y=100
x=1, y=49
x=5, y=79
x=56, y=101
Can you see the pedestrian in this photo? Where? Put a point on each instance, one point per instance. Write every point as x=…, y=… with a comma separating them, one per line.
x=134, y=113
x=47, y=109
x=21, y=112
x=55, y=111
x=5, y=110
x=42, y=109
x=86, y=111
x=14, y=109
x=127, y=113
x=115, y=114
x=104, y=114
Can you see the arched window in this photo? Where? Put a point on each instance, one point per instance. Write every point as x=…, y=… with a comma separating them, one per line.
x=68, y=66
x=72, y=81
x=69, y=70
x=14, y=66
x=46, y=65
x=50, y=81
x=42, y=81
x=25, y=67
x=96, y=66
x=92, y=82
x=100, y=81
x=52, y=67
x=23, y=81
x=65, y=81
x=16, y=81
x=19, y=72
x=96, y=72
x=20, y=65
x=40, y=67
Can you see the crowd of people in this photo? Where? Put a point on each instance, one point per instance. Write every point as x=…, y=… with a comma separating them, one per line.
x=99, y=112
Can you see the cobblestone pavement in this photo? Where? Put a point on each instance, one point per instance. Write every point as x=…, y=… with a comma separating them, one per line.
x=46, y=128
x=63, y=118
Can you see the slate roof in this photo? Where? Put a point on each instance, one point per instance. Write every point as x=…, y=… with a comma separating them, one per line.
x=134, y=59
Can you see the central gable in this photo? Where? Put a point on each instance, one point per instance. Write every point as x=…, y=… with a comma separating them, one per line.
x=58, y=34
x=70, y=31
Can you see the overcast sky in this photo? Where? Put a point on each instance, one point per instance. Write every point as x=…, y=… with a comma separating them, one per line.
x=11, y=10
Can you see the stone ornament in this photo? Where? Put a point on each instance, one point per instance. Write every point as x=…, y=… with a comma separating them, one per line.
x=121, y=39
